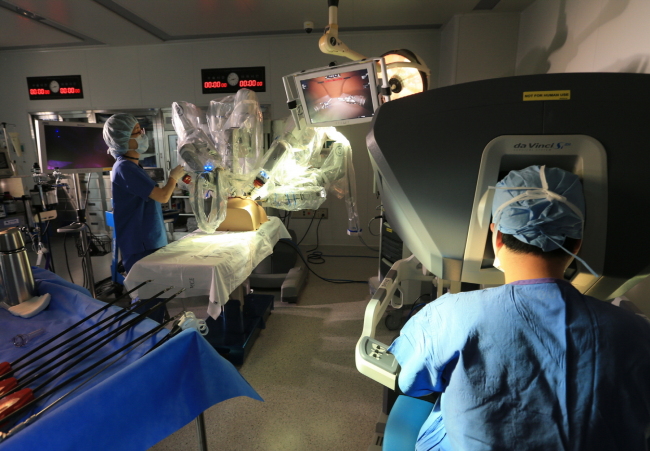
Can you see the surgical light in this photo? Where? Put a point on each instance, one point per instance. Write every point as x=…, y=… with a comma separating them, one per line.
x=406, y=74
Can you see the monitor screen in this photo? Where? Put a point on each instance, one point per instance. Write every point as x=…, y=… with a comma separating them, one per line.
x=6, y=167
x=4, y=161
x=340, y=95
x=72, y=147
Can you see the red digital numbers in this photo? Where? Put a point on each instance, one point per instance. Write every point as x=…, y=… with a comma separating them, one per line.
x=47, y=92
x=250, y=83
x=214, y=84
x=242, y=84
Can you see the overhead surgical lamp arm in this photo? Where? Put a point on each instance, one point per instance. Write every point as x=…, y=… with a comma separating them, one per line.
x=330, y=43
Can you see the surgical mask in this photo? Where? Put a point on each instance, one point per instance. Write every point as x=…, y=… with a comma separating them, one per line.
x=497, y=262
x=143, y=143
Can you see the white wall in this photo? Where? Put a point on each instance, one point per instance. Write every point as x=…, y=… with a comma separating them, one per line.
x=151, y=76
x=584, y=36
x=558, y=36
x=478, y=46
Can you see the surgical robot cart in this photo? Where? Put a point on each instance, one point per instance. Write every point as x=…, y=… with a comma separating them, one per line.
x=436, y=153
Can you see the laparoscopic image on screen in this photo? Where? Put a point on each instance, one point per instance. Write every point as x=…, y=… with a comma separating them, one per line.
x=346, y=95
x=76, y=148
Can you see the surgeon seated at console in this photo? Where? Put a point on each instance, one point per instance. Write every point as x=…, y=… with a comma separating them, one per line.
x=532, y=364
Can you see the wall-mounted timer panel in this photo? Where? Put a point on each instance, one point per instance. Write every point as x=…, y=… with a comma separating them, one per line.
x=228, y=80
x=55, y=87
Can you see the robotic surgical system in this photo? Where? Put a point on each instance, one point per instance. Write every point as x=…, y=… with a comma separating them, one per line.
x=436, y=154
x=223, y=155
x=228, y=172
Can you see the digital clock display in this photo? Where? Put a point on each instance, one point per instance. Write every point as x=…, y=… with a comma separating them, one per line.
x=229, y=80
x=55, y=87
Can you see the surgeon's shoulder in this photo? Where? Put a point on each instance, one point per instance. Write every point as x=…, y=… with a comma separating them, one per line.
x=619, y=318
x=467, y=301
x=476, y=295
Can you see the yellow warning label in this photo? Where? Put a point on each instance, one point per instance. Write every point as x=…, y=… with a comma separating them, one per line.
x=547, y=95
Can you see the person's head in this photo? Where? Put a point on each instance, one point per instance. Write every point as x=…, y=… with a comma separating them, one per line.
x=539, y=211
x=122, y=133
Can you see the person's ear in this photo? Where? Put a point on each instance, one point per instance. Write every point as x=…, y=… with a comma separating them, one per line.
x=499, y=241
x=577, y=247
x=499, y=237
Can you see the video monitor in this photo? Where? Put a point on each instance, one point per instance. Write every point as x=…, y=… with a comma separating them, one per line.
x=72, y=147
x=6, y=169
x=340, y=95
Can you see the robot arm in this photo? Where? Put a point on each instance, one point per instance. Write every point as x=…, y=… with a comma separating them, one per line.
x=227, y=160
x=236, y=126
x=298, y=180
x=198, y=156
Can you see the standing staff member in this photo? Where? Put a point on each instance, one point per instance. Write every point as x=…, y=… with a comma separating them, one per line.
x=139, y=225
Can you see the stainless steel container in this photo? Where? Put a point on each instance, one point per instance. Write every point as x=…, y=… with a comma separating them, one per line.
x=16, y=278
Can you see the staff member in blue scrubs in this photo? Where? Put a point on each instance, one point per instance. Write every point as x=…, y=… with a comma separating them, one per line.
x=139, y=225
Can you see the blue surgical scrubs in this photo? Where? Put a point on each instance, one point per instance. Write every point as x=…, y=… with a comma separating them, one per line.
x=139, y=225
x=531, y=365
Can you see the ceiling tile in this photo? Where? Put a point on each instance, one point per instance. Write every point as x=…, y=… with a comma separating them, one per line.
x=188, y=19
x=17, y=31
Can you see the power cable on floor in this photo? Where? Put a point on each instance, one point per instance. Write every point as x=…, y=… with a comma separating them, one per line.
x=316, y=257
x=295, y=247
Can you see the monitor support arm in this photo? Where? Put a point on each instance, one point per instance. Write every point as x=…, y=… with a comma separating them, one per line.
x=330, y=43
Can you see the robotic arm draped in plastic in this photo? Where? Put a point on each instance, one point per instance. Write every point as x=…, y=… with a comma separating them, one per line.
x=223, y=154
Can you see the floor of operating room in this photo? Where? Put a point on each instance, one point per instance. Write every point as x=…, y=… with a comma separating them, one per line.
x=302, y=364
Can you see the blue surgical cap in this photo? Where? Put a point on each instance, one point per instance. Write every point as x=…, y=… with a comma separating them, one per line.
x=117, y=133
x=540, y=215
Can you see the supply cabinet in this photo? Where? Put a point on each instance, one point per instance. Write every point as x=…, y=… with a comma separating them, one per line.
x=96, y=192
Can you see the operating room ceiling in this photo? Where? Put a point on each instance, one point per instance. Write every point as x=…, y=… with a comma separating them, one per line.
x=26, y=24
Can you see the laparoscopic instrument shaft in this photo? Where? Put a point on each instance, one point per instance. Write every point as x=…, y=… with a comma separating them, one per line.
x=26, y=380
x=29, y=404
x=10, y=369
x=41, y=346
